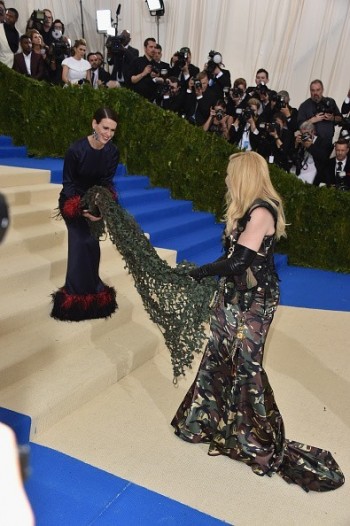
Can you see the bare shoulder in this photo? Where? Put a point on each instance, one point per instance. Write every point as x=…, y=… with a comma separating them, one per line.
x=261, y=219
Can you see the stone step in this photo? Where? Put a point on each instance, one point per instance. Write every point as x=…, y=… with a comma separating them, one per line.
x=59, y=387
x=13, y=176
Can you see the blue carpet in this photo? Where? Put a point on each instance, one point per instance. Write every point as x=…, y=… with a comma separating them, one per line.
x=64, y=492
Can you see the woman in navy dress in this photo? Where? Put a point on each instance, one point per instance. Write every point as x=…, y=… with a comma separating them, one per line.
x=90, y=161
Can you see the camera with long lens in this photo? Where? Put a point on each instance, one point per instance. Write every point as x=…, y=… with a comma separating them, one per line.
x=182, y=57
x=115, y=44
x=326, y=105
x=38, y=18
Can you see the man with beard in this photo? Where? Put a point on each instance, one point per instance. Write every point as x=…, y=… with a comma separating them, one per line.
x=320, y=111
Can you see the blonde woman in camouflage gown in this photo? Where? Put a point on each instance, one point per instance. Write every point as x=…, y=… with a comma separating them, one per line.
x=231, y=404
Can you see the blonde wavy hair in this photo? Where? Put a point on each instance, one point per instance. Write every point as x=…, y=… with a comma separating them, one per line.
x=248, y=179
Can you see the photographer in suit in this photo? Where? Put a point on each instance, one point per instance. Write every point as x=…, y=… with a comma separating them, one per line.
x=120, y=55
x=144, y=74
x=310, y=154
x=182, y=68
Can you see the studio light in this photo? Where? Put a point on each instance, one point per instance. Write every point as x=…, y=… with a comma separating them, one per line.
x=156, y=7
x=103, y=21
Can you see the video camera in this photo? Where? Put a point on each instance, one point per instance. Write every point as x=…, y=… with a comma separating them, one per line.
x=38, y=17
x=115, y=44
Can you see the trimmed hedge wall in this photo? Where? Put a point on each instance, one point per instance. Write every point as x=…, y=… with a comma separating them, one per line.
x=174, y=154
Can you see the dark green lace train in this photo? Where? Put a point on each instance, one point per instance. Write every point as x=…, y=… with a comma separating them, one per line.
x=176, y=303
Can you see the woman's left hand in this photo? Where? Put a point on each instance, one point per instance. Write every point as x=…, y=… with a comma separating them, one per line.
x=89, y=216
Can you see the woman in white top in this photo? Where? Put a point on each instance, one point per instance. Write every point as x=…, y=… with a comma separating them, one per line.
x=75, y=69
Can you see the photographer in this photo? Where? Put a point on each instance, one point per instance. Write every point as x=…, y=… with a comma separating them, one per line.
x=291, y=114
x=144, y=74
x=218, y=121
x=219, y=78
x=120, y=56
x=182, y=68
x=310, y=154
x=235, y=97
x=99, y=76
x=276, y=141
x=42, y=21
x=172, y=98
x=58, y=51
x=199, y=99
x=321, y=111
x=244, y=132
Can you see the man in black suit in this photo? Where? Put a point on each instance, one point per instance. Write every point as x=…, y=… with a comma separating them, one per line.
x=337, y=169
x=29, y=63
x=121, y=56
x=99, y=76
x=144, y=76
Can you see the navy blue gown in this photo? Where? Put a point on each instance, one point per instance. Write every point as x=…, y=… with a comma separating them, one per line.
x=84, y=295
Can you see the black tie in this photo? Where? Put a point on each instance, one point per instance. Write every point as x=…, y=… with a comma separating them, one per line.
x=340, y=166
x=92, y=77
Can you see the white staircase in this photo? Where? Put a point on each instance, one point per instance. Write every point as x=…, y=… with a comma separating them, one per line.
x=49, y=368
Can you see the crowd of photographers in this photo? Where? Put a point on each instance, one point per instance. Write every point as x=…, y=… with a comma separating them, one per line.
x=252, y=117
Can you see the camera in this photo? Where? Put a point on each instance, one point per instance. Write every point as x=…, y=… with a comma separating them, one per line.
x=182, y=57
x=115, y=44
x=280, y=102
x=197, y=84
x=38, y=17
x=219, y=114
x=60, y=49
x=262, y=89
x=247, y=113
x=305, y=137
x=269, y=127
x=155, y=68
x=165, y=89
x=345, y=134
x=326, y=105
x=236, y=92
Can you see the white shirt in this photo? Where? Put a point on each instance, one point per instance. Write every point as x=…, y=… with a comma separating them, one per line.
x=76, y=69
x=27, y=60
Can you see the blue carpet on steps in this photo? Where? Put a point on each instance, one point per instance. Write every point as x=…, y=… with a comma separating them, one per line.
x=104, y=499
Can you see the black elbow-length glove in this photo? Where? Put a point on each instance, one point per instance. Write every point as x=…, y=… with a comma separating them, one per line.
x=240, y=260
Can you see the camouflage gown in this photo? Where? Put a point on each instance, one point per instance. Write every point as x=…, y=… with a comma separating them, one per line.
x=231, y=404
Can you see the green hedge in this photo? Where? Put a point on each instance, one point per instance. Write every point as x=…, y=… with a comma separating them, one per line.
x=174, y=154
